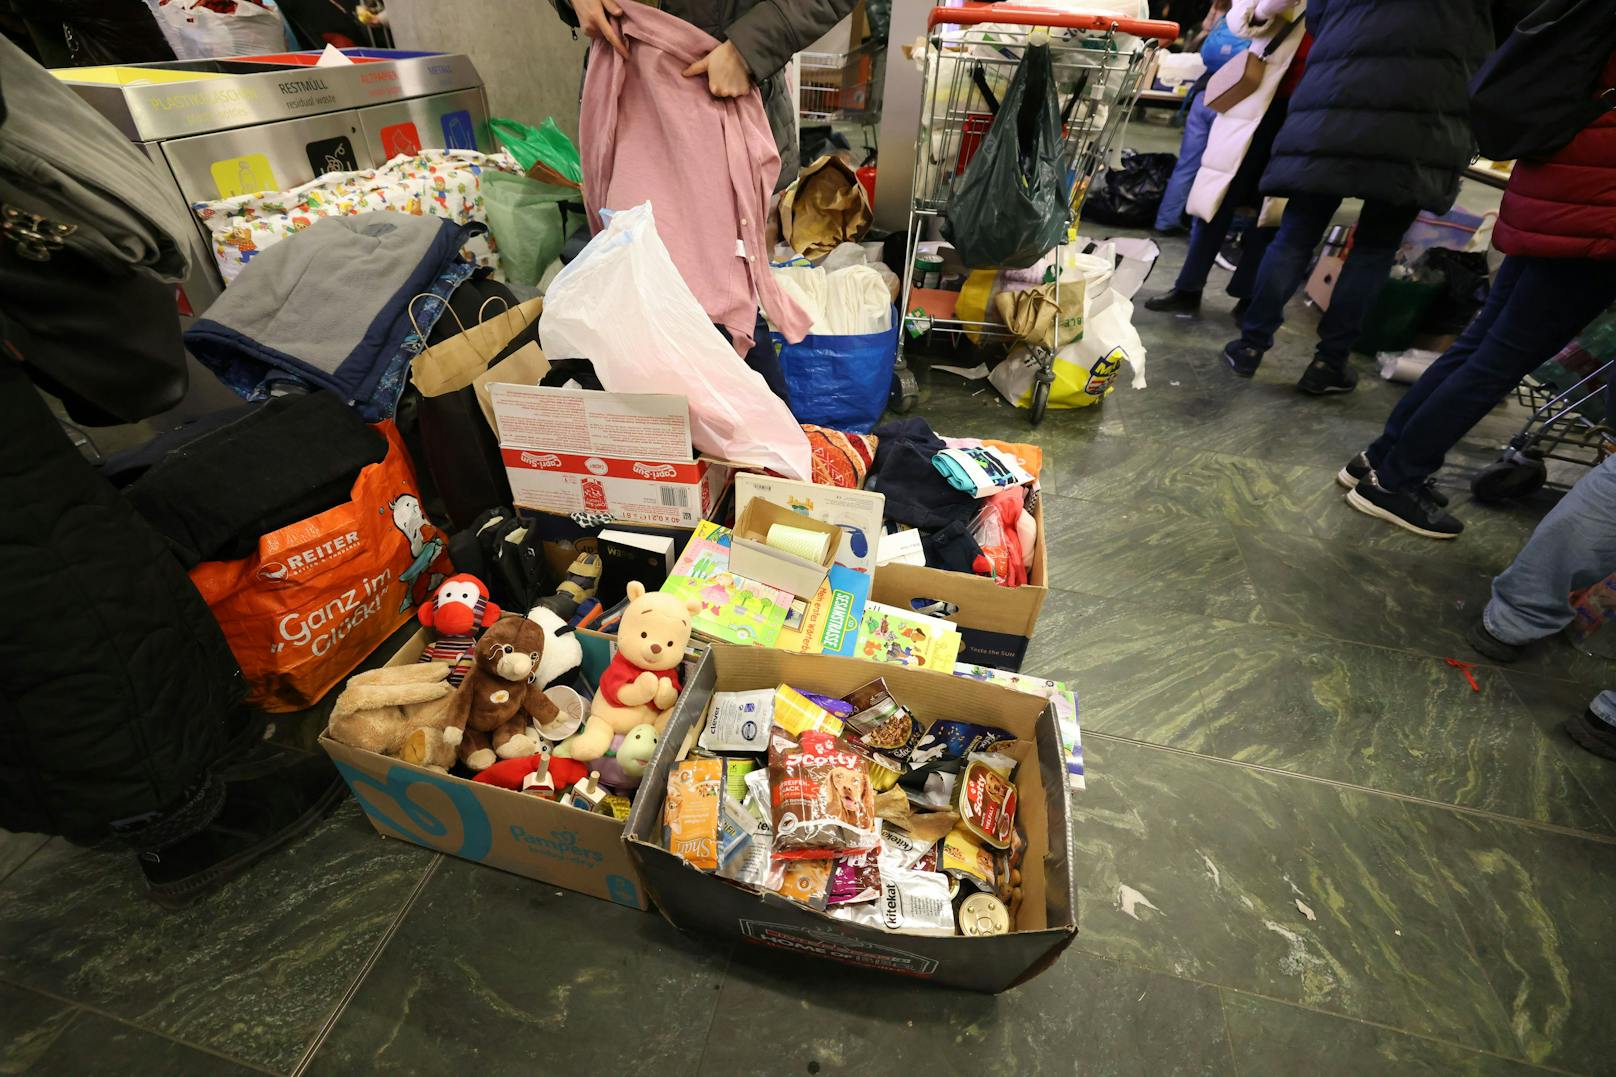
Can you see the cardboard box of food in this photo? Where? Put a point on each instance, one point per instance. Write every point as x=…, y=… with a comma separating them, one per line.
x=512, y=831
x=751, y=556
x=995, y=622
x=632, y=489
x=695, y=901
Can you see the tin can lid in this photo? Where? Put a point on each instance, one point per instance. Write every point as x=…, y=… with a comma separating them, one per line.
x=983, y=914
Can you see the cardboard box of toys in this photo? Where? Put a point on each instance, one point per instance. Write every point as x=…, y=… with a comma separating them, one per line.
x=503, y=828
x=983, y=898
x=995, y=623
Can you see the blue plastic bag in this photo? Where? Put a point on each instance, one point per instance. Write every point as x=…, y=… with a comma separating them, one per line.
x=840, y=381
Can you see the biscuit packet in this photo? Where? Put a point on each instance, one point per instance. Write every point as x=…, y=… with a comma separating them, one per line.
x=690, y=811
x=822, y=799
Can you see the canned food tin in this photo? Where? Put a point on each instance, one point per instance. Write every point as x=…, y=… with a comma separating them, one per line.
x=928, y=270
x=983, y=914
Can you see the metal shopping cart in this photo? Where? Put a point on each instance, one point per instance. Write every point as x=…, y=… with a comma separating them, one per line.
x=971, y=53
x=1571, y=399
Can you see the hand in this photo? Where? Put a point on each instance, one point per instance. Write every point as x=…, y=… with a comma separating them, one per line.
x=595, y=20
x=727, y=73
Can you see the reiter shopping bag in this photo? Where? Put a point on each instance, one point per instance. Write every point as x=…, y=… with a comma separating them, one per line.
x=320, y=595
x=1009, y=207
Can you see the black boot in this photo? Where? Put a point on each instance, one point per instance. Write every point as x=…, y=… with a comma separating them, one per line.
x=1175, y=302
x=265, y=808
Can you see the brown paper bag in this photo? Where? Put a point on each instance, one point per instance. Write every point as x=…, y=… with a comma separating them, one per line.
x=1035, y=317
x=525, y=366
x=453, y=364
x=824, y=207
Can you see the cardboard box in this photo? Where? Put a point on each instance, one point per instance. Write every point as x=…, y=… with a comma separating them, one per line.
x=751, y=556
x=995, y=622
x=515, y=832
x=695, y=901
x=584, y=422
x=636, y=490
x=1321, y=284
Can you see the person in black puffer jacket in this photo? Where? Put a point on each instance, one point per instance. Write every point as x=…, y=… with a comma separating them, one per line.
x=1382, y=115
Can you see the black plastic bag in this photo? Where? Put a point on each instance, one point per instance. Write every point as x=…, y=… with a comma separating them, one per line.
x=1463, y=275
x=1009, y=208
x=1130, y=195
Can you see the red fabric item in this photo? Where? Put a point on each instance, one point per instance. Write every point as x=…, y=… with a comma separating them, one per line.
x=622, y=671
x=840, y=459
x=508, y=773
x=706, y=165
x=1565, y=206
x=1298, y=68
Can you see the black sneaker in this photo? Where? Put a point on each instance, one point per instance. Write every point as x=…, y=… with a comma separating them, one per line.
x=1322, y=378
x=260, y=814
x=1240, y=308
x=1242, y=358
x=1484, y=643
x=1412, y=510
x=1358, y=467
x=1593, y=733
x=1175, y=302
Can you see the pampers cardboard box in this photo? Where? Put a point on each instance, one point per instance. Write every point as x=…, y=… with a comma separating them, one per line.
x=696, y=901
x=515, y=832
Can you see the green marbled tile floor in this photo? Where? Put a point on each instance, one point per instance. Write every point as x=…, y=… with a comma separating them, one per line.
x=1307, y=847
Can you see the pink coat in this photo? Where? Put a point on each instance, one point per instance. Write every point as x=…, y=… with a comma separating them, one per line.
x=706, y=164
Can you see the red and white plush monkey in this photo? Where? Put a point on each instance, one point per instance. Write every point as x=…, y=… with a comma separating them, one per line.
x=459, y=607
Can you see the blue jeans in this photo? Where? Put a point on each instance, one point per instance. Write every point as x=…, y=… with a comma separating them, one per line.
x=1535, y=307
x=1573, y=547
x=1374, y=245
x=1197, y=125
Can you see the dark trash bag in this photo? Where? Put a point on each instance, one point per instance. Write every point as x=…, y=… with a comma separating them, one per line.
x=1542, y=86
x=1009, y=208
x=1130, y=195
x=1464, y=288
x=840, y=381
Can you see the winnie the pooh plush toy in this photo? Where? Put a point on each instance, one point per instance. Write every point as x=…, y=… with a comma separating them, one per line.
x=501, y=694
x=642, y=682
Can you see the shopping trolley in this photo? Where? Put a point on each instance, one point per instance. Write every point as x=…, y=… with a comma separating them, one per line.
x=1099, y=65
x=1570, y=397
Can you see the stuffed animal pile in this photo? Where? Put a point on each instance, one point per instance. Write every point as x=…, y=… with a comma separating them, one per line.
x=497, y=706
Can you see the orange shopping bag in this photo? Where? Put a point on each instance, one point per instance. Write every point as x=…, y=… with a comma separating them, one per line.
x=321, y=594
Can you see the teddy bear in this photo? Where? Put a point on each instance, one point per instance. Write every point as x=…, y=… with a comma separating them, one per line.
x=501, y=694
x=641, y=684
x=399, y=711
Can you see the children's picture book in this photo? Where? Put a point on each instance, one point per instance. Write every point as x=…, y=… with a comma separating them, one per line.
x=888, y=634
x=830, y=624
x=732, y=609
x=857, y=512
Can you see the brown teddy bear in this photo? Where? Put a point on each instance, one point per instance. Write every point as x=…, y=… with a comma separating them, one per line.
x=501, y=694
x=400, y=711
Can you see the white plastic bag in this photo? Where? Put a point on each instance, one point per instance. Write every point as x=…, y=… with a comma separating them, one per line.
x=198, y=33
x=622, y=305
x=853, y=300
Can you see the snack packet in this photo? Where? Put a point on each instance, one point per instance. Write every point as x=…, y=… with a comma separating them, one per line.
x=738, y=722
x=757, y=795
x=954, y=740
x=824, y=805
x=914, y=902
x=901, y=849
x=690, y=812
x=841, y=708
x=986, y=802
x=854, y=878
x=936, y=791
x=735, y=772
x=803, y=881
x=796, y=713
x=882, y=724
x=964, y=858
x=744, y=843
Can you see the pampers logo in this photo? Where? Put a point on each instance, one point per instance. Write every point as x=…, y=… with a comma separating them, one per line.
x=540, y=459
x=561, y=844
x=656, y=471
x=396, y=803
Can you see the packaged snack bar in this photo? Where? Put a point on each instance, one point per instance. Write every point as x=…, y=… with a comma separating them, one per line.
x=690, y=812
x=913, y=902
x=796, y=713
x=964, y=858
x=757, y=795
x=738, y=722
x=853, y=879
x=954, y=740
x=823, y=803
x=841, y=708
x=986, y=802
x=882, y=725
x=902, y=849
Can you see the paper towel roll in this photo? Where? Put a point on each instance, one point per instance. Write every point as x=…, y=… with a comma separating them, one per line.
x=800, y=541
